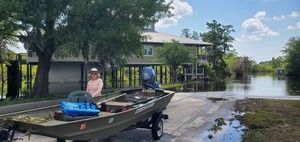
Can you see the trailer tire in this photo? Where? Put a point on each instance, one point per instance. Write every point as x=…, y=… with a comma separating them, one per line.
x=157, y=127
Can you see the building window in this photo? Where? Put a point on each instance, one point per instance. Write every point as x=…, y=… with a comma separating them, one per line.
x=148, y=50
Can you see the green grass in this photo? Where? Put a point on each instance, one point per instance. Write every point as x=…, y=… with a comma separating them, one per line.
x=171, y=85
x=271, y=120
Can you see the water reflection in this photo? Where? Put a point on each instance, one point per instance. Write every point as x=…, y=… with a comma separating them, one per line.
x=225, y=130
x=293, y=86
x=266, y=84
x=201, y=86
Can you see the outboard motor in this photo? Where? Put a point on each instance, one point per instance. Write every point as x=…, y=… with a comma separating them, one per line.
x=148, y=78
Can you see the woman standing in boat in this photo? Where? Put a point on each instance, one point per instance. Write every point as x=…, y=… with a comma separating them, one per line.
x=94, y=86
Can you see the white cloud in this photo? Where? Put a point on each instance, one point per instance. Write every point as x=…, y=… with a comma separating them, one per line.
x=252, y=25
x=167, y=22
x=260, y=15
x=251, y=37
x=180, y=9
x=297, y=26
x=290, y=28
x=295, y=14
x=254, y=29
x=282, y=17
x=238, y=39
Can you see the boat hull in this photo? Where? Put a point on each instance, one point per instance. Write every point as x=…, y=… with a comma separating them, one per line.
x=104, y=125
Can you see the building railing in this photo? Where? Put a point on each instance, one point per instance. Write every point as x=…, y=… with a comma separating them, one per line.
x=202, y=58
x=191, y=71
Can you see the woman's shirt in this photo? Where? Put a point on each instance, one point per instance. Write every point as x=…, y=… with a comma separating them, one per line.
x=94, y=87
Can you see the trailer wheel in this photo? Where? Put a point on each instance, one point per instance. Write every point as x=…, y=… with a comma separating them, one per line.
x=157, y=127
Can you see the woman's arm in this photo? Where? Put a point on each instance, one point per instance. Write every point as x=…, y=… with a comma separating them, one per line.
x=87, y=87
x=100, y=86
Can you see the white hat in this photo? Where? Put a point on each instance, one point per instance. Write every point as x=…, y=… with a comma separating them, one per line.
x=93, y=70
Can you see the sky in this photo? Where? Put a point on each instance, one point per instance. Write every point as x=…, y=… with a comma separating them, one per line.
x=262, y=27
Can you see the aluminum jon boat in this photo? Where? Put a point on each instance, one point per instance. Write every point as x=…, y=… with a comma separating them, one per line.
x=135, y=108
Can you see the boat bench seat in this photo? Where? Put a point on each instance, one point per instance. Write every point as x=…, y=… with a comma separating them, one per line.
x=103, y=114
x=121, y=104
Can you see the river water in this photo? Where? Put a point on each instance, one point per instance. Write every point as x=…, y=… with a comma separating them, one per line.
x=264, y=84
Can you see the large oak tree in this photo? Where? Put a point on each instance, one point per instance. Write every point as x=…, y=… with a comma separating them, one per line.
x=109, y=28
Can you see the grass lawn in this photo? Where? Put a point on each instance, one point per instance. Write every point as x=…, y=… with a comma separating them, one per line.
x=270, y=120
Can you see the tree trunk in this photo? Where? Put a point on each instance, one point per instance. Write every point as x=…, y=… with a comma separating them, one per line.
x=40, y=87
x=174, y=68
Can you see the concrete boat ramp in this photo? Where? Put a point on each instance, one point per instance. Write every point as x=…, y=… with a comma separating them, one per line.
x=190, y=115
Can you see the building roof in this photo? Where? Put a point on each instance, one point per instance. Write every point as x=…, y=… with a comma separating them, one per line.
x=157, y=37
